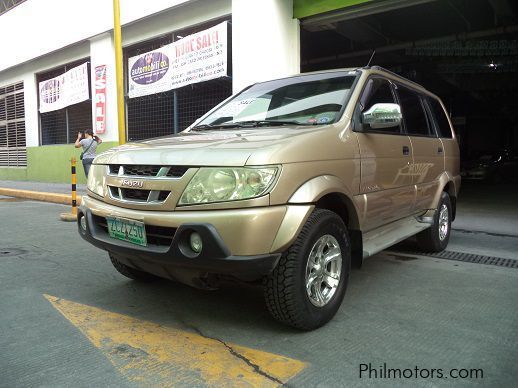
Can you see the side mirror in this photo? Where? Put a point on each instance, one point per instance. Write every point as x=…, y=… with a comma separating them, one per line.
x=382, y=115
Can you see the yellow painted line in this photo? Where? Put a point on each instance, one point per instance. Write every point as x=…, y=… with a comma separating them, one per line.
x=39, y=196
x=153, y=355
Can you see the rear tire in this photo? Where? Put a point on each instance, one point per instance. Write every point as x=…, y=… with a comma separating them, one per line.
x=308, y=285
x=435, y=238
x=129, y=272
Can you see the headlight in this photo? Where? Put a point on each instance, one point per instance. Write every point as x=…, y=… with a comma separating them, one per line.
x=95, y=181
x=227, y=184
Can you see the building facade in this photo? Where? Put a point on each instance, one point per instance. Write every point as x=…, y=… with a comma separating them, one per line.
x=465, y=52
x=67, y=36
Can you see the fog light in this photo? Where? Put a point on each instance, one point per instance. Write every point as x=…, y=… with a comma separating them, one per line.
x=82, y=221
x=196, y=243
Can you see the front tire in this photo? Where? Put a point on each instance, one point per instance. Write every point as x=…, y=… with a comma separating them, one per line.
x=436, y=238
x=308, y=285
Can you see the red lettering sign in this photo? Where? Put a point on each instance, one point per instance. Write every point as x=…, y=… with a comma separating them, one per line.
x=100, y=99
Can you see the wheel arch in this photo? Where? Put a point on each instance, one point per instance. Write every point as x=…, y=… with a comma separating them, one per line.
x=329, y=192
x=449, y=188
x=449, y=185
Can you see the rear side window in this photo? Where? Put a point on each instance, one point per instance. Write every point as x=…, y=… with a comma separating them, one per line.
x=413, y=112
x=439, y=116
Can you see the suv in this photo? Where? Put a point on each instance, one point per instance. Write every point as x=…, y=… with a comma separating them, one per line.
x=288, y=183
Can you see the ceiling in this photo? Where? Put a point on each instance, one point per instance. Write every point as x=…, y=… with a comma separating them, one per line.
x=455, y=47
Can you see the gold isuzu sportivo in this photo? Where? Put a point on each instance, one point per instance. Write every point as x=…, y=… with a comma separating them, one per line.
x=288, y=183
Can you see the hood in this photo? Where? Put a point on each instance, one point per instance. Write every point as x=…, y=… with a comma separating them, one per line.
x=214, y=147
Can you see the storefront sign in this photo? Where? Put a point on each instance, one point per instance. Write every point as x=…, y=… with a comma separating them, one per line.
x=199, y=57
x=194, y=58
x=100, y=99
x=64, y=90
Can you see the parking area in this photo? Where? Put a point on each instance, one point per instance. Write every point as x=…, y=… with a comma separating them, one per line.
x=68, y=318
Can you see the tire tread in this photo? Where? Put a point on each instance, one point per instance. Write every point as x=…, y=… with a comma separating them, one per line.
x=280, y=287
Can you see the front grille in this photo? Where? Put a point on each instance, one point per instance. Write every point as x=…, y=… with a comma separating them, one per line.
x=148, y=170
x=135, y=194
x=114, y=191
x=156, y=235
x=141, y=170
x=138, y=195
x=176, y=171
x=163, y=195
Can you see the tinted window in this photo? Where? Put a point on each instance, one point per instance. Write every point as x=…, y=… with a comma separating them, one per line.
x=413, y=112
x=378, y=90
x=441, y=120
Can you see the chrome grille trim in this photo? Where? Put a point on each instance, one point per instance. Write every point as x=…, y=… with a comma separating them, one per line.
x=146, y=171
x=153, y=196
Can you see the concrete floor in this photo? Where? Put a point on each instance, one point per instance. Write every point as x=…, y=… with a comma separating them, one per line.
x=400, y=311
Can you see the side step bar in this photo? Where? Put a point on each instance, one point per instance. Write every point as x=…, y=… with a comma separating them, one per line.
x=385, y=236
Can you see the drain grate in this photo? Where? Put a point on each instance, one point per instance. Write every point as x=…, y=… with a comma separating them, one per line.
x=467, y=257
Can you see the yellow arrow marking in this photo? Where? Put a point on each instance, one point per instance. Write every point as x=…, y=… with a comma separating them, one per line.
x=151, y=354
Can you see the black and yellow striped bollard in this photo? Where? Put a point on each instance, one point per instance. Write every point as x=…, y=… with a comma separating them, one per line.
x=73, y=215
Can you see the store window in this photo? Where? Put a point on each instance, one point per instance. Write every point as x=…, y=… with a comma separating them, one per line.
x=167, y=112
x=60, y=126
x=13, y=151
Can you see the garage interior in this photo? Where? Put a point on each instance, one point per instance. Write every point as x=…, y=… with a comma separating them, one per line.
x=465, y=51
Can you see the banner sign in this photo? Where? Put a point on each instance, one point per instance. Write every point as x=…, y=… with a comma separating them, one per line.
x=195, y=58
x=149, y=73
x=100, y=99
x=64, y=90
x=199, y=57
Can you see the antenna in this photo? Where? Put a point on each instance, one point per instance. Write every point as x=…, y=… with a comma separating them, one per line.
x=372, y=56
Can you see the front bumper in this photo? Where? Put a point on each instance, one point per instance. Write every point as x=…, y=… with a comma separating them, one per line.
x=236, y=242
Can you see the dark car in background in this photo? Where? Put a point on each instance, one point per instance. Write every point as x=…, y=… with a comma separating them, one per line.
x=498, y=167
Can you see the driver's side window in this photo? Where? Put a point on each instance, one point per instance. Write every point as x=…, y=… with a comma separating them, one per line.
x=377, y=91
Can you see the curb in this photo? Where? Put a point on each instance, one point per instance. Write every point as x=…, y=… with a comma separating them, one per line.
x=63, y=199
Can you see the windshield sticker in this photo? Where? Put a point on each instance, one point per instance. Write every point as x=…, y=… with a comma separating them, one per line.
x=234, y=108
x=323, y=120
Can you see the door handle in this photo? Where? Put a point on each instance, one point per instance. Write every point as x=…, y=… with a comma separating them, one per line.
x=406, y=150
x=439, y=150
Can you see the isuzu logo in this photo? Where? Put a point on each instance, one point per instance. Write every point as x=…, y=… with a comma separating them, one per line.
x=132, y=183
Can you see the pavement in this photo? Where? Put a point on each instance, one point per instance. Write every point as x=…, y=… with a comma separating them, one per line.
x=68, y=318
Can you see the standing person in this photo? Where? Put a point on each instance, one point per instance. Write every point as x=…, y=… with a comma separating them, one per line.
x=89, y=142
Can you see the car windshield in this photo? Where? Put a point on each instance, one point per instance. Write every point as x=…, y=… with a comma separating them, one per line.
x=314, y=99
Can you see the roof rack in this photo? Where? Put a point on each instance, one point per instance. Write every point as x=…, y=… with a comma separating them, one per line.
x=394, y=74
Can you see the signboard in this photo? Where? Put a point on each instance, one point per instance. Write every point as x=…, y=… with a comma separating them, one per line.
x=149, y=73
x=195, y=58
x=64, y=90
x=199, y=57
x=100, y=99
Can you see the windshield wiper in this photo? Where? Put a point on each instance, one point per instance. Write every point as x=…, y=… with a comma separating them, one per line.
x=202, y=127
x=265, y=123
x=248, y=124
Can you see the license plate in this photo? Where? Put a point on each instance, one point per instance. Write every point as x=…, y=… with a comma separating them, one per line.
x=127, y=230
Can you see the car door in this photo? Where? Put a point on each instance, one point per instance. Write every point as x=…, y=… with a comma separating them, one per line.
x=386, y=186
x=449, y=142
x=427, y=148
